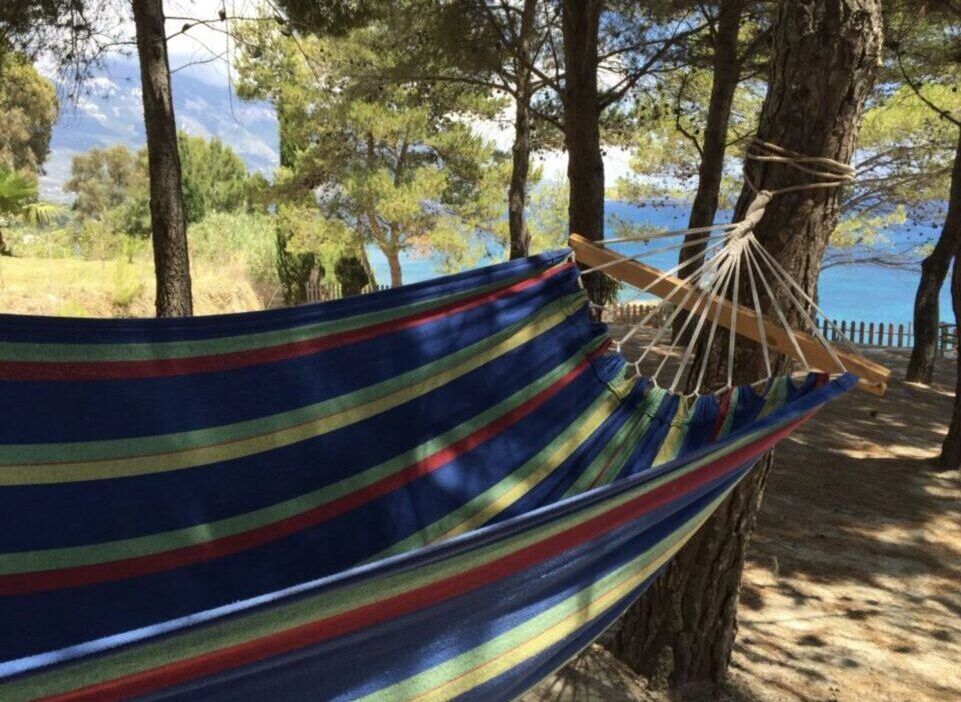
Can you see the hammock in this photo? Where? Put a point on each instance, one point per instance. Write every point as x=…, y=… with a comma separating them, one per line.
x=440, y=491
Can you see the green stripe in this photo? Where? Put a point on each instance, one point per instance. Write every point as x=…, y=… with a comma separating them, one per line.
x=75, y=452
x=50, y=559
x=507, y=642
x=615, y=454
x=480, y=502
x=66, y=353
x=257, y=624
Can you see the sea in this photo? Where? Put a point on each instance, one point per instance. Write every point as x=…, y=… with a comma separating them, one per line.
x=866, y=293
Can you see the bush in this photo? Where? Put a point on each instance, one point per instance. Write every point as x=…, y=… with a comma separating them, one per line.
x=127, y=285
x=221, y=238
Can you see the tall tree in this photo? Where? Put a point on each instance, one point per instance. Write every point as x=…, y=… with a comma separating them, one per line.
x=825, y=56
x=523, y=64
x=934, y=271
x=627, y=41
x=167, y=212
x=950, y=457
x=28, y=110
x=388, y=163
x=520, y=238
x=104, y=179
x=582, y=111
x=214, y=177
x=729, y=55
x=926, y=49
x=506, y=47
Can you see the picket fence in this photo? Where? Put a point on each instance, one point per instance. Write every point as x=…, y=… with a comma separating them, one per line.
x=888, y=336
x=323, y=292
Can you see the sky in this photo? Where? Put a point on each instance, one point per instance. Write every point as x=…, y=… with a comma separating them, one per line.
x=202, y=54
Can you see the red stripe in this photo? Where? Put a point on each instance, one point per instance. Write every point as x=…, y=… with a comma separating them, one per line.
x=413, y=600
x=162, y=367
x=40, y=581
x=722, y=410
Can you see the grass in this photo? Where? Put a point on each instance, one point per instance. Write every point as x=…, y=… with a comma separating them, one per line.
x=84, y=269
x=119, y=288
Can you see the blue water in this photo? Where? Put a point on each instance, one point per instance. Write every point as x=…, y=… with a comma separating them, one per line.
x=859, y=293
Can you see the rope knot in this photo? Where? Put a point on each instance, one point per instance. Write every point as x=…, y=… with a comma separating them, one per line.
x=753, y=215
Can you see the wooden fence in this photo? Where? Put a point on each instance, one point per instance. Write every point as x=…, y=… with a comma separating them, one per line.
x=322, y=292
x=889, y=336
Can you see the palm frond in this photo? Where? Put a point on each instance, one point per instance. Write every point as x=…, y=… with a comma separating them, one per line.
x=37, y=213
x=17, y=191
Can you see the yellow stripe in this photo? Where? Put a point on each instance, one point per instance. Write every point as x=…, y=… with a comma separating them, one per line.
x=598, y=604
x=525, y=485
x=189, y=458
x=675, y=433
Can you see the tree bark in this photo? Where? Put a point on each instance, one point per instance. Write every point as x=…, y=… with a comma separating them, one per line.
x=951, y=449
x=727, y=74
x=825, y=57
x=393, y=262
x=520, y=243
x=167, y=216
x=582, y=133
x=934, y=270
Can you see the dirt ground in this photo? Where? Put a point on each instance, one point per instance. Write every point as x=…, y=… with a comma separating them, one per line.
x=853, y=587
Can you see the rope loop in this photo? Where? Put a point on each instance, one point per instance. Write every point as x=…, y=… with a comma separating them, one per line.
x=828, y=173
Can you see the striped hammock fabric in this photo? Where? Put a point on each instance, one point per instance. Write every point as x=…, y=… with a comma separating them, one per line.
x=438, y=492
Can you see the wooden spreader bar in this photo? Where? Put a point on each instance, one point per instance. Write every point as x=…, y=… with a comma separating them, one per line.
x=873, y=377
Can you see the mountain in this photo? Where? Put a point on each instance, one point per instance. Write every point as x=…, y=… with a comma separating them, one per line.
x=109, y=112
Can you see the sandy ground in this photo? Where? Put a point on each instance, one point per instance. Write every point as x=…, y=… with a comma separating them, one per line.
x=853, y=590
x=853, y=587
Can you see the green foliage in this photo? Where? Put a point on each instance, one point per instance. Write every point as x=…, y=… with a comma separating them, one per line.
x=28, y=110
x=18, y=195
x=111, y=185
x=214, y=177
x=95, y=240
x=547, y=215
x=127, y=285
x=224, y=238
x=392, y=163
x=908, y=150
x=352, y=275
x=666, y=147
x=17, y=192
x=294, y=270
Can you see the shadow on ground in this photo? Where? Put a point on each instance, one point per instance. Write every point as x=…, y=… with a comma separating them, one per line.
x=853, y=586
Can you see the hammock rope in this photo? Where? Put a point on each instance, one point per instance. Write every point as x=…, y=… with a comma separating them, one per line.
x=731, y=257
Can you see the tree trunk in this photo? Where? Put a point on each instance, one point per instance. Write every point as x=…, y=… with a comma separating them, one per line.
x=825, y=56
x=520, y=168
x=951, y=449
x=393, y=262
x=934, y=269
x=582, y=134
x=727, y=70
x=167, y=218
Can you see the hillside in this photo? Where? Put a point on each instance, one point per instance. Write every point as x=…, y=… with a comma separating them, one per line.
x=110, y=112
